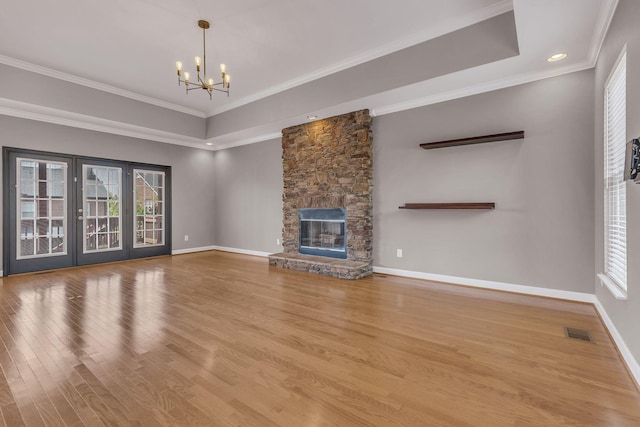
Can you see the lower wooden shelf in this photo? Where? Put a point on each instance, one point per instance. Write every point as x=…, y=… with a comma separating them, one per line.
x=473, y=205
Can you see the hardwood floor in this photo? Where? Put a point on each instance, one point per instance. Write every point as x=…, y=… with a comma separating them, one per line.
x=218, y=339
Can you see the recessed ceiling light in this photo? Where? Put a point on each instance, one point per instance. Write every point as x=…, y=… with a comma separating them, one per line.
x=209, y=143
x=557, y=57
x=312, y=117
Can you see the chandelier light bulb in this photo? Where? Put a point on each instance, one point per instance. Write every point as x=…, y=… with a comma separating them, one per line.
x=198, y=59
x=179, y=65
x=223, y=68
x=210, y=83
x=186, y=77
x=227, y=79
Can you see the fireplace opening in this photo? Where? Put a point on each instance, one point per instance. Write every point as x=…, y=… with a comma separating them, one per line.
x=323, y=232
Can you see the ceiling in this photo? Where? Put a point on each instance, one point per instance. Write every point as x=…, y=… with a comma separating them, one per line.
x=273, y=45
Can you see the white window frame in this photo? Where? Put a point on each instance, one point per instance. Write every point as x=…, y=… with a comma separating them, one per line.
x=615, y=126
x=136, y=245
x=85, y=168
x=19, y=211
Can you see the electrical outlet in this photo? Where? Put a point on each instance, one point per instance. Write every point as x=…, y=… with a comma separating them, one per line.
x=399, y=253
x=186, y=237
x=278, y=242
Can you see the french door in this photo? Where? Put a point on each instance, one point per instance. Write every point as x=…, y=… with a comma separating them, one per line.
x=70, y=210
x=100, y=211
x=37, y=222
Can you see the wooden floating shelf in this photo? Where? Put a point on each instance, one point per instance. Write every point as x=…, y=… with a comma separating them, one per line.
x=488, y=205
x=474, y=140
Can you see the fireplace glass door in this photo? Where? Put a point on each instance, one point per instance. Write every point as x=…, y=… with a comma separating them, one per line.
x=323, y=232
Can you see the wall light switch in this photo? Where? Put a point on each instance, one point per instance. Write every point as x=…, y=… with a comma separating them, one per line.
x=186, y=237
x=278, y=242
x=399, y=253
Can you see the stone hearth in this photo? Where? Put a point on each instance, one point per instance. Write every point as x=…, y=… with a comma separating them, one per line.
x=329, y=164
x=339, y=268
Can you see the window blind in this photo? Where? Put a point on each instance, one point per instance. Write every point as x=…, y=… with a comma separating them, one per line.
x=615, y=190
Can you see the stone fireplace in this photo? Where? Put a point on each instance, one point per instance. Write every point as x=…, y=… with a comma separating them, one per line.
x=327, y=169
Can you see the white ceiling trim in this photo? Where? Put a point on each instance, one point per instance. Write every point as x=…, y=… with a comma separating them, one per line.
x=428, y=34
x=27, y=66
x=51, y=115
x=601, y=29
x=247, y=141
x=9, y=107
x=382, y=110
x=482, y=88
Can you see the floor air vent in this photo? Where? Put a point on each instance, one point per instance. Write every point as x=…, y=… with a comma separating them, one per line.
x=578, y=334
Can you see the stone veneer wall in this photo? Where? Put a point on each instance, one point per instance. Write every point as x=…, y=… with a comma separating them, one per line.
x=329, y=164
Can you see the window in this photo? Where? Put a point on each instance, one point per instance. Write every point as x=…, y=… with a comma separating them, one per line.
x=40, y=198
x=102, y=189
x=149, y=202
x=615, y=216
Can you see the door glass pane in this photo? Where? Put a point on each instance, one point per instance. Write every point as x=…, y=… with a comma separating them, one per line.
x=41, y=219
x=43, y=245
x=57, y=208
x=149, y=218
x=43, y=208
x=101, y=193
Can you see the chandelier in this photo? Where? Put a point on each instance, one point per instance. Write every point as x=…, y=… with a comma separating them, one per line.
x=204, y=82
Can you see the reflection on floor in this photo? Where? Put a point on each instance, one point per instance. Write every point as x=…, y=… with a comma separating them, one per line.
x=223, y=339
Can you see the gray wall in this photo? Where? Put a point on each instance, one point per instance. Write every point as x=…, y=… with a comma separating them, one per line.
x=539, y=235
x=540, y=232
x=248, y=197
x=192, y=169
x=624, y=29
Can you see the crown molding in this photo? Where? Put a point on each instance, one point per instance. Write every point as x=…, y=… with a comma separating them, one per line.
x=9, y=107
x=66, y=118
x=246, y=141
x=25, y=110
x=481, y=88
x=601, y=29
x=463, y=92
x=386, y=49
x=27, y=66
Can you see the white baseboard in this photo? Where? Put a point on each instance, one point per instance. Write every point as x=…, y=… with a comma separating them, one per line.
x=220, y=248
x=631, y=362
x=190, y=250
x=242, y=251
x=487, y=284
